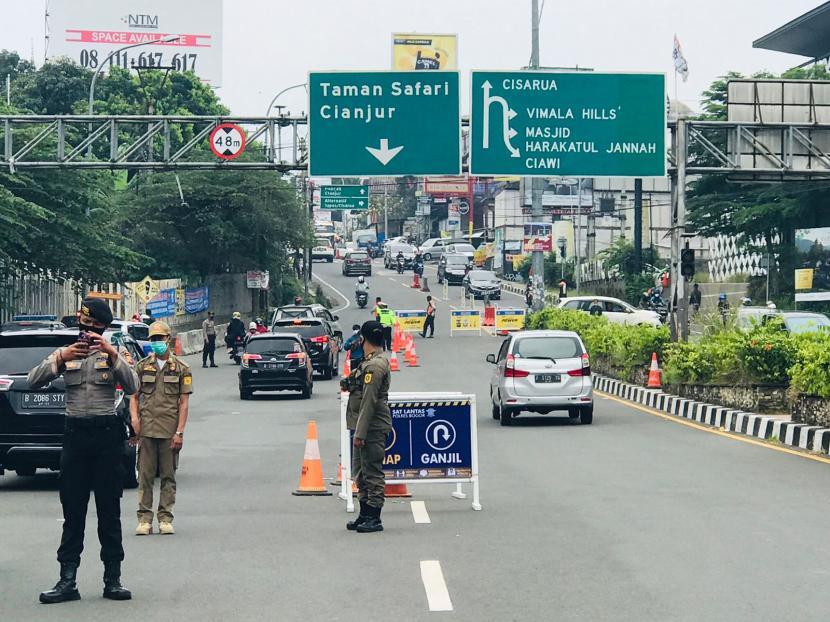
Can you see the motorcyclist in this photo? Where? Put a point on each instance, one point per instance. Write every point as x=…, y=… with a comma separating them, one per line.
x=529, y=294
x=260, y=326
x=723, y=306
x=361, y=286
x=251, y=330
x=236, y=329
x=771, y=305
x=418, y=263
x=400, y=261
x=354, y=346
x=298, y=300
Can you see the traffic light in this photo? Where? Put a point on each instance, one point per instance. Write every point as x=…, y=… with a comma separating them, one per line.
x=687, y=263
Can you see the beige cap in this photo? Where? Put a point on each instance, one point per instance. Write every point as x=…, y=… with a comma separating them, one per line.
x=159, y=328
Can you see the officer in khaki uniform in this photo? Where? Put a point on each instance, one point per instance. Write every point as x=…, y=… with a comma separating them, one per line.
x=159, y=415
x=368, y=415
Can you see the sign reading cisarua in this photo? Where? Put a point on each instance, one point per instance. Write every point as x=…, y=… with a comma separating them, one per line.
x=384, y=123
x=539, y=123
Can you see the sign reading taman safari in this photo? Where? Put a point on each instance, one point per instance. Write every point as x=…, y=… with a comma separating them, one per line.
x=384, y=123
x=537, y=123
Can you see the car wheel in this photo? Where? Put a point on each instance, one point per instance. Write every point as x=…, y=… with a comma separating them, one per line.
x=330, y=259
x=586, y=415
x=306, y=393
x=244, y=395
x=573, y=413
x=496, y=411
x=370, y=273
x=506, y=416
x=327, y=373
x=427, y=256
x=130, y=468
x=25, y=472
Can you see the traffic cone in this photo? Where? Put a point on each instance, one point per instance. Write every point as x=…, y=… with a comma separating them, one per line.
x=311, y=475
x=177, y=350
x=396, y=490
x=654, y=379
x=396, y=339
x=413, y=357
x=339, y=480
x=347, y=368
x=416, y=281
x=394, y=365
x=425, y=286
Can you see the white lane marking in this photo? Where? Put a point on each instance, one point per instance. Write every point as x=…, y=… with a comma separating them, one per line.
x=438, y=596
x=419, y=512
x=336, y=291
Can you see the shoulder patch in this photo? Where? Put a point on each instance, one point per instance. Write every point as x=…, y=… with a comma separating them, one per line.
x=188, y=380
x=367, y=378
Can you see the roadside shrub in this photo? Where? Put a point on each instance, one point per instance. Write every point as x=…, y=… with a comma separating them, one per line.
x=767, y=353
x=810, y=373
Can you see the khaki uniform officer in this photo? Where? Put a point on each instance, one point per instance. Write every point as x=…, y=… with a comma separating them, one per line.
x=159, y=414
x=369, y=416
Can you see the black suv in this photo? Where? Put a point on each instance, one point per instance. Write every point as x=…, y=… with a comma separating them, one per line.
x=275, y=362
x=292, y=312
x=319, y=341
x=31, y=422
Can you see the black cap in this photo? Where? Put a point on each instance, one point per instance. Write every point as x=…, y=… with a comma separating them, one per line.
x=356, y=327
x=372, y=332
x=96, y=309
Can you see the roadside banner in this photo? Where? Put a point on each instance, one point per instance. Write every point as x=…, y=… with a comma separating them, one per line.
x=510, y=319
x=465, y=320
x=197, y=299
x=163, y=304
x=180, y=301
x=412, y=321
x=434, y=440
x=419, y=51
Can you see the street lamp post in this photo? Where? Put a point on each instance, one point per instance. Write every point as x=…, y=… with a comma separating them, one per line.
x=271, y=105
x=167, y=39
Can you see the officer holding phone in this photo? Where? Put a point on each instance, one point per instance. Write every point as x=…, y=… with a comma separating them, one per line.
x=92, y=458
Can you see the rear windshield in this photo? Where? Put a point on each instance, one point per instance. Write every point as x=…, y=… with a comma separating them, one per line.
x=482, y=275
x=272, y=346
x=323, y=242
x=358, y=256
x=304, y=329
x=293, y=312
x=456, y=259
x=548, y=347
x=19, y=354
x=463, y=248
x=806, y=323
x=139, y=332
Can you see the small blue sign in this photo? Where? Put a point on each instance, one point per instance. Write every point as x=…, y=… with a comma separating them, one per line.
x=163, y=304
x=197, y=299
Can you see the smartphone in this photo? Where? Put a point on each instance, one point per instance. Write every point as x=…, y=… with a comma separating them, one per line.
x=83, y=337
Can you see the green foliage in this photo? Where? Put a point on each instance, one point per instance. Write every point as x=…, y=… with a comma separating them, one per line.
x=553, y=269
x=810, y=373
x=767, y=353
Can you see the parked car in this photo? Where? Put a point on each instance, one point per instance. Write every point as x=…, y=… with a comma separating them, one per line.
x=800, y=322
x=746, y=318
x=137, y=330
x=275, y=362
x=481, y=284
x=541, y=371
x=461, y=248
x=614, y=309
x=357, y=262
x=32, y=322
x=319, y=340
x=433, y=248
x=452, y=268
x=289, y=312
x=322, y=249
x=32, y=422
x=391, y=252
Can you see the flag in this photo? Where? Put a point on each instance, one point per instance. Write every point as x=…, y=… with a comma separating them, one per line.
x=680, y=64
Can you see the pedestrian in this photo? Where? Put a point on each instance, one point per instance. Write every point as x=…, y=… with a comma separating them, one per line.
x=386, y=318
x=429, y=322
x=298, y=263
x=209, y=336
x=563, y=289
x=92, y=458
x=369, y=416
x=354, y=346
x=695, y=298
x=159, y=415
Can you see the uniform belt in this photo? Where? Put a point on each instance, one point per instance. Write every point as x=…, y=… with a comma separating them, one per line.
x=103, y=421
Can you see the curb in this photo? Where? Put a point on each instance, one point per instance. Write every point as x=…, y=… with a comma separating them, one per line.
x=798, y=435
x=512, y=287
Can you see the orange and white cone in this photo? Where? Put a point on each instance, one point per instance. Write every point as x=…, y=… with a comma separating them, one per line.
x=347, y=368
x=413, y=357
x=311, y=475
x=396, y=490
x=654, y=376
x=394, y=365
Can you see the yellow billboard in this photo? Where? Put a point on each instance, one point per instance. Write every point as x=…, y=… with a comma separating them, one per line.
x=411, y=321
x=804, y=278
x=510, y=319
x=414, y=51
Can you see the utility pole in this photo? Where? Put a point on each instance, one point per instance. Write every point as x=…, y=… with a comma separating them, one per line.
x=538, y=262
x=307, y=254
x=638, y=225
x=679, y=303
x=385, y=211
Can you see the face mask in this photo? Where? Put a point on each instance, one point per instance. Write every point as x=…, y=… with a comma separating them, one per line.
x=159, y=347
x=83, y=328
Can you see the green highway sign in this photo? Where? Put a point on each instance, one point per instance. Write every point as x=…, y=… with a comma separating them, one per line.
x=540, y=123
x=384, y=123
x=344, y=197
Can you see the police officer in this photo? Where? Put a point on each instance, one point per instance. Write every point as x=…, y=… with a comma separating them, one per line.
x=159, y=414
x=93, y=448
x=386, y=318
x=368, y=415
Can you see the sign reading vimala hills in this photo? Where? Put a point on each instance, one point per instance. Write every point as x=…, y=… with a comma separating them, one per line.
x=537, y=123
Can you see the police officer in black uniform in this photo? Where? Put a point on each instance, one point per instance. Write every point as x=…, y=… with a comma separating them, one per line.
x=93, y=448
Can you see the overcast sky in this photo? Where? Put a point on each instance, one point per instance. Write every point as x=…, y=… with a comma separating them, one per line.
x=271, y=44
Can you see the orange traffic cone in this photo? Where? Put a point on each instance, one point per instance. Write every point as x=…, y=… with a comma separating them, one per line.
x=654, y=379
x=311, y=475
x=339, y=480
x=347, y=368
x=394, y=365
x=177, y=349
x=413, y=357
x=416, y=281
x=396, y=490
x=396, y=339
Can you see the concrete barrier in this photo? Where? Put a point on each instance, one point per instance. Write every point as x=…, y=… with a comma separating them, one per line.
x=193, y=342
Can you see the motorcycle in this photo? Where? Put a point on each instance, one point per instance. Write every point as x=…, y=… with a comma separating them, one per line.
x=659, y=306
x=362, y=299
x=399, y=264
x=236, y=350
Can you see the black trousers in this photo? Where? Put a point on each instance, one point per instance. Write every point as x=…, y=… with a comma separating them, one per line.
x=92, y=460
x=387, y=338
x=429, y=323
x=209, y=350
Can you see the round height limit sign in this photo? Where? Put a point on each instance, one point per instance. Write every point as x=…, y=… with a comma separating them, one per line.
x=227, y=141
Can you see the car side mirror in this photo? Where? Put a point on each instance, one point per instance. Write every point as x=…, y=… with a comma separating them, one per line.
x=335, y=317
x=491, y=358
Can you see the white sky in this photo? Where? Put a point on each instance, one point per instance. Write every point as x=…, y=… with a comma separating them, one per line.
x=271, y=44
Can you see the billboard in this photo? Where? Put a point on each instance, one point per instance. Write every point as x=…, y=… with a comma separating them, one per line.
x=538, y=236
x=812, y=277
x=424, y=52
x=87, y=31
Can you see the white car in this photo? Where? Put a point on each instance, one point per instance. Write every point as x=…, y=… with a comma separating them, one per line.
x=322, y=250
x=468, y=250
x=616, y=310
x=433, y=248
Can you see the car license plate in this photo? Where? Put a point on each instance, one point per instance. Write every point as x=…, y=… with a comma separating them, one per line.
x=33, y=401
x=273, y=366
x=548, y=378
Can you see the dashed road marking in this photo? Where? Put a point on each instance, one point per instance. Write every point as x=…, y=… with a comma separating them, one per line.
x=438, y=596
x=419, y=512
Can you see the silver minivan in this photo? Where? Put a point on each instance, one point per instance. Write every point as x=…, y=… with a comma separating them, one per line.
x=541, y=371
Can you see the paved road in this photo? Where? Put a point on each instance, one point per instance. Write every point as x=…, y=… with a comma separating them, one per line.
x=633, y=518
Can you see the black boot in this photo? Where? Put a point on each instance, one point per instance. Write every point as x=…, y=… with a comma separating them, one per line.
x=362, y=518
x=112, y=582
x=65, y=589
x=373, y=523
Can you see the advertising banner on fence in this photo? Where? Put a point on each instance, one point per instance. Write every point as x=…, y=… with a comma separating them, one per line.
x=163, y=304
x=188, y=32
x=466, y=319
x=538, y=236
x=413, y=52
x=411, y=320
x=257, y=279
x=180, y=299
x=197, y=299
x=510, y=319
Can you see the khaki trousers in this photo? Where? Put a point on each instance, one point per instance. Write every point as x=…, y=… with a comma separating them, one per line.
x=155, y=456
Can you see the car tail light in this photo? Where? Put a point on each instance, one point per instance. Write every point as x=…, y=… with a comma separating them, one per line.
x=296, y=356
x=585, y=370
x=6, y=384
x=247, y=358
x=510, y=370
x=322, y=339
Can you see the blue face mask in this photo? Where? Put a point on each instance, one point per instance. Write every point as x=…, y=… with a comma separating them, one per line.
x=159, y=347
